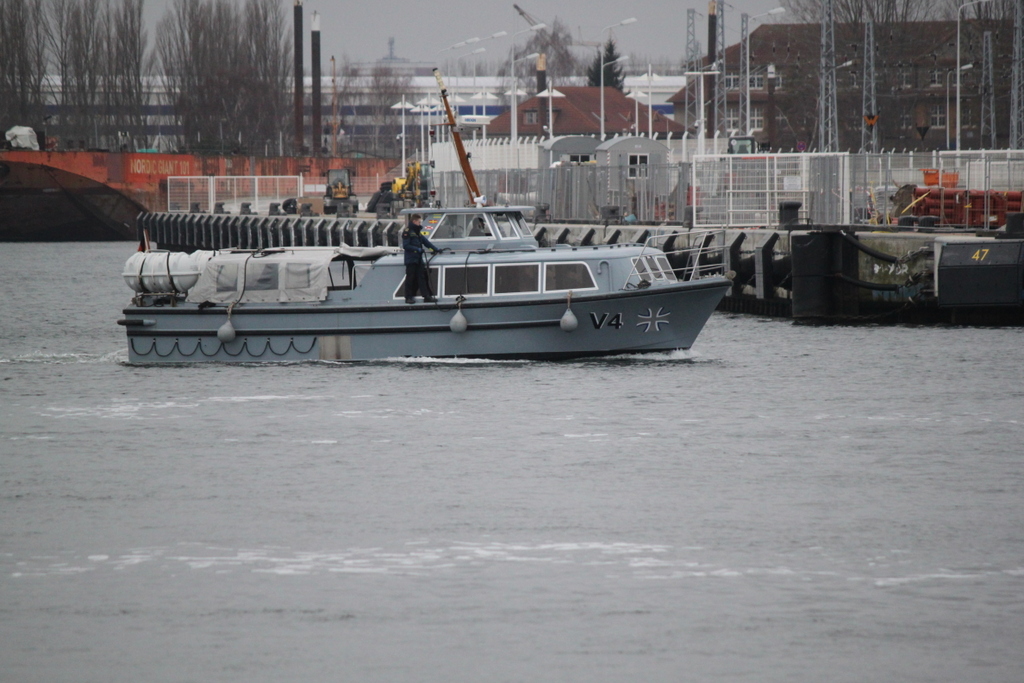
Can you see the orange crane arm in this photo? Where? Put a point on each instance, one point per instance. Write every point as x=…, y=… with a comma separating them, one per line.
x=467, y=170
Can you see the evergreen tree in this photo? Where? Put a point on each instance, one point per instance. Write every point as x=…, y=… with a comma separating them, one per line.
x=613, y=77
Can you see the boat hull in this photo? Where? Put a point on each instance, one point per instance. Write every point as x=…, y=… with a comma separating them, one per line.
x=662, y=318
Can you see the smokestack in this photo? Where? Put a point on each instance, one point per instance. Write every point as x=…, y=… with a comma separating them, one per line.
x=710, y=124
x=542, y=84
x=317, y=131
x=299, y=85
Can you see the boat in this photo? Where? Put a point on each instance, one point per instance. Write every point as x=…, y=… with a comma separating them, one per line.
x=497, y=294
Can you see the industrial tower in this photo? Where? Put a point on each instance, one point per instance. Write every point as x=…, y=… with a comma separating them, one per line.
x=691, y=106
x=988, y=93
x=869, y=121
x=1017, y=80
x=828, y=116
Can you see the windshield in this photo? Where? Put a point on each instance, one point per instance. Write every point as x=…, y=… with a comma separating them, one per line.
x=457, y=226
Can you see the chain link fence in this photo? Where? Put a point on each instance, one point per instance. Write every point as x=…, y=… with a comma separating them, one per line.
x=232, y=191
x=969, y=189
x=581, y=193
x=746, y=191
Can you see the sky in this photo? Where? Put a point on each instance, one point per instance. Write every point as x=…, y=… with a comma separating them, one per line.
x=360, y=30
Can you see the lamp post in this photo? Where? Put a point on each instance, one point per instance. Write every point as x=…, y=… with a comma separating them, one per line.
x=478, y=51
x=624, y=22
x=550, y=93
x=745, y=76
x=515, y=97
x=404, y=106
x=959, y=12
x=635, y=95
x=514, y=130
x=623, y=58
x=949, y=119
x=700, y=90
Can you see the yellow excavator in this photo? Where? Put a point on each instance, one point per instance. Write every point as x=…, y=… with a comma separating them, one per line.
x=338, y=197
x=411, y=190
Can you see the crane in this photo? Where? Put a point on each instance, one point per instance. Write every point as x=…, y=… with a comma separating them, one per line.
x=533, y=21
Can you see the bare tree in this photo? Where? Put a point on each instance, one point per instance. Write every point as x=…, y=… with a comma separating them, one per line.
x=385, y=88
x=23, y=62
x=266, y=52
x=226, y=71
x=58, y=37
x=128, y=67
x=854, y=11
x=556, y=42
x=86, y=68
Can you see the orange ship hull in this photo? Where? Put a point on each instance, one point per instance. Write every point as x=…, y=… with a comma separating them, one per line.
x=85, y=196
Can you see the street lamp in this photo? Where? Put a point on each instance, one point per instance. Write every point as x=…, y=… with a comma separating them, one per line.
x=624, y=22
x=959, y=11
x=745, y=42
x=623, y=58
x=949, y=120
x=404, y=106
x=635, y=95
x=478, y=51
x=472, y=41
x=515, y=97
x=700, y=90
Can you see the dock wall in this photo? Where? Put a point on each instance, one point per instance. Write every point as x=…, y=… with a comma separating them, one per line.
x=815, y=273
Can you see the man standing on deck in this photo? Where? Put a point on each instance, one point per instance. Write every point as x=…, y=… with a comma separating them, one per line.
x=414, y=242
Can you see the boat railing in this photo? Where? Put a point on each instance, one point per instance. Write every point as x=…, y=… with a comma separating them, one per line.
x=681, y=256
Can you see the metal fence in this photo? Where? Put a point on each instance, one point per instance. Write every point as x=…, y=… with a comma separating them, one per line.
x=958, y=188
x=746, y=191
x=232, y=191
x=644, y=194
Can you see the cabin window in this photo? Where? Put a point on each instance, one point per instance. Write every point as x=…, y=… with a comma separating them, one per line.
x=517, y=279
x=530, y=117
x=504, y=222
x=560, y=277
x=468, y=281
x=261, y=276
x=456, y=226
x=524, y=227
x=431, y=280
x=666, y=267
x=226, y=277
x=641, y=269
x=654, y=267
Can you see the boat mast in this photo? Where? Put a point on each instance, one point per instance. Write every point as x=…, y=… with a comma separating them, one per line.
x=467, y=170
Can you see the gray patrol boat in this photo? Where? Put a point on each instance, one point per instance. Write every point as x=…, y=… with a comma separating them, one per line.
x=497, y=294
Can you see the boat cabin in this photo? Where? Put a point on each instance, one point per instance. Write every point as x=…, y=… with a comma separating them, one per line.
x=477, y=228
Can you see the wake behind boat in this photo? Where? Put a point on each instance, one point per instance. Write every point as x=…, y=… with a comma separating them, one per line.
x=497, y=293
